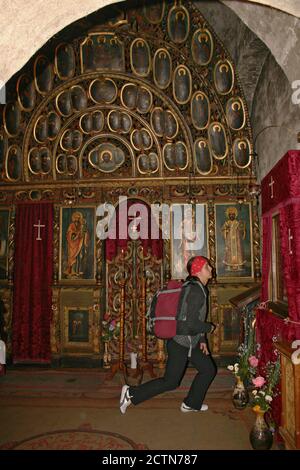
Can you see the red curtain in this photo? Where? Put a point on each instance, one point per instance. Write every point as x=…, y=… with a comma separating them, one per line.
x=290, y=250
x=271, y=328
x=266, y=256
x=32, y=283
x=154, y=245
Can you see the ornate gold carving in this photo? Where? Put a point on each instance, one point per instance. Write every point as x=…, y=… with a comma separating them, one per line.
x=7, y=298
x=211, y=234
x=142, y=47
x=44, y=76
x=13, y=163
x=290, y=398
x=56, y=230
x=256, y=241
x=11, y=244
x=214, y=315
x=55, y=340
x=68, y=54
x=154, y=13
x=161, y=55
x=96, y=324
x=202, y=41
x=224, y=69
x=184, y=88
x=12, y=119
x=178, y=20
x=161, y=355
x=217, y=138
x=28, y=93
x=200, y=99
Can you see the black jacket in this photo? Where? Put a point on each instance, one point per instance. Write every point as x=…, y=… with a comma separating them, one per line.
x=190, y=305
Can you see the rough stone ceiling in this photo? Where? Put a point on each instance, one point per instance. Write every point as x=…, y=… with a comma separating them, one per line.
x=25, y=30
x=289, y=6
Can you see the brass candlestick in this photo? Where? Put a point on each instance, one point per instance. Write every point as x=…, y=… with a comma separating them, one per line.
x=143, y=309
x=120, y=364
x=145, y=365
x=122, y=322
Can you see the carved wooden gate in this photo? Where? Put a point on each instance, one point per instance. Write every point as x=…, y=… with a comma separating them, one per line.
x=138, y=267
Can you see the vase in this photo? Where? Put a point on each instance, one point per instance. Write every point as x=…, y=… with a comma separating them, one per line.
x=106, y=356
x=240, y=396
x=261, y=437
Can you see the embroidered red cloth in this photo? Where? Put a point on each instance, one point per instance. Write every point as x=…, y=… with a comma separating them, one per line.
x=282, y=182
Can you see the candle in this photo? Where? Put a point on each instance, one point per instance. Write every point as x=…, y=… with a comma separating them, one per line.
x=2, y=352
x=123, y=262
x=133, y=360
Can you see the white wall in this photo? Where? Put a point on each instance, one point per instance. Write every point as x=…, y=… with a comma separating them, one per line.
x=26, y=25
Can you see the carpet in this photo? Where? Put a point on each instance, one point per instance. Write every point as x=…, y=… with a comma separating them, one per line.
x=88, y=384
x=43, y=409
x=75, y=439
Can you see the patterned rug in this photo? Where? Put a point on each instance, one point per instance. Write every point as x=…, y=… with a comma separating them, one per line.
x=79, y=409
x=78, y=439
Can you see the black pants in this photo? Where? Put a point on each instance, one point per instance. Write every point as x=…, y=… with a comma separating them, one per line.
x=175, y=369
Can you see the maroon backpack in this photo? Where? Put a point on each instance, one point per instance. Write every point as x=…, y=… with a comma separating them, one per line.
x=162, y=312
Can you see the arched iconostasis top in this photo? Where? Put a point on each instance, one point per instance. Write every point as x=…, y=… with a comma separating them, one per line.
x=149, y=94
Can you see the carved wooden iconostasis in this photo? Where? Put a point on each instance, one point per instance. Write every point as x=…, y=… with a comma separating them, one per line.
x=137, y=100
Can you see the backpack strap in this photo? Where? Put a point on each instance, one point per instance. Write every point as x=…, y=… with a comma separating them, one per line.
x=182, y=314
x=182, y=301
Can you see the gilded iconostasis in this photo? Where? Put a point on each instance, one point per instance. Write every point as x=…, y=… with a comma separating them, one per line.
x=143, y=101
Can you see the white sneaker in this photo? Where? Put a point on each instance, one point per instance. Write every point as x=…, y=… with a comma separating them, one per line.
x=124, y=399
x=185, y=409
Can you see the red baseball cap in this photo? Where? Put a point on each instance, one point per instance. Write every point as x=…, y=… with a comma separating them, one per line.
x=197, y=264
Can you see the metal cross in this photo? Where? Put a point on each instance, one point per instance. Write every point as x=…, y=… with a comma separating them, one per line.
x=39, y=226
x=271, y=186
x=290, y=245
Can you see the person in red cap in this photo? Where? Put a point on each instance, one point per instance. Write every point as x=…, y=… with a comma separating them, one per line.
x=188, y=344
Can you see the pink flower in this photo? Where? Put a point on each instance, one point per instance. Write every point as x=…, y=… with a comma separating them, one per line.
x=253, y=361
x=258, y=381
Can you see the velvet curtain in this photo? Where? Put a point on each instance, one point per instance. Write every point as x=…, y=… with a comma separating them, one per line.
x=113, y=246
x=290, y=250
x=32, y=283
x=266, y=256
x=270, y=328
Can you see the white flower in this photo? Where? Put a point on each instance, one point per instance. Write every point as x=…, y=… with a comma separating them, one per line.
x=230, y=367
x=254, y=392
x=262, y=392
x=268, y=398
x=236, y=365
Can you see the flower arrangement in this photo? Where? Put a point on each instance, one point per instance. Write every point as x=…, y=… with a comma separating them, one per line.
x=246, y=364
x=264, y=391
x=110, y=329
